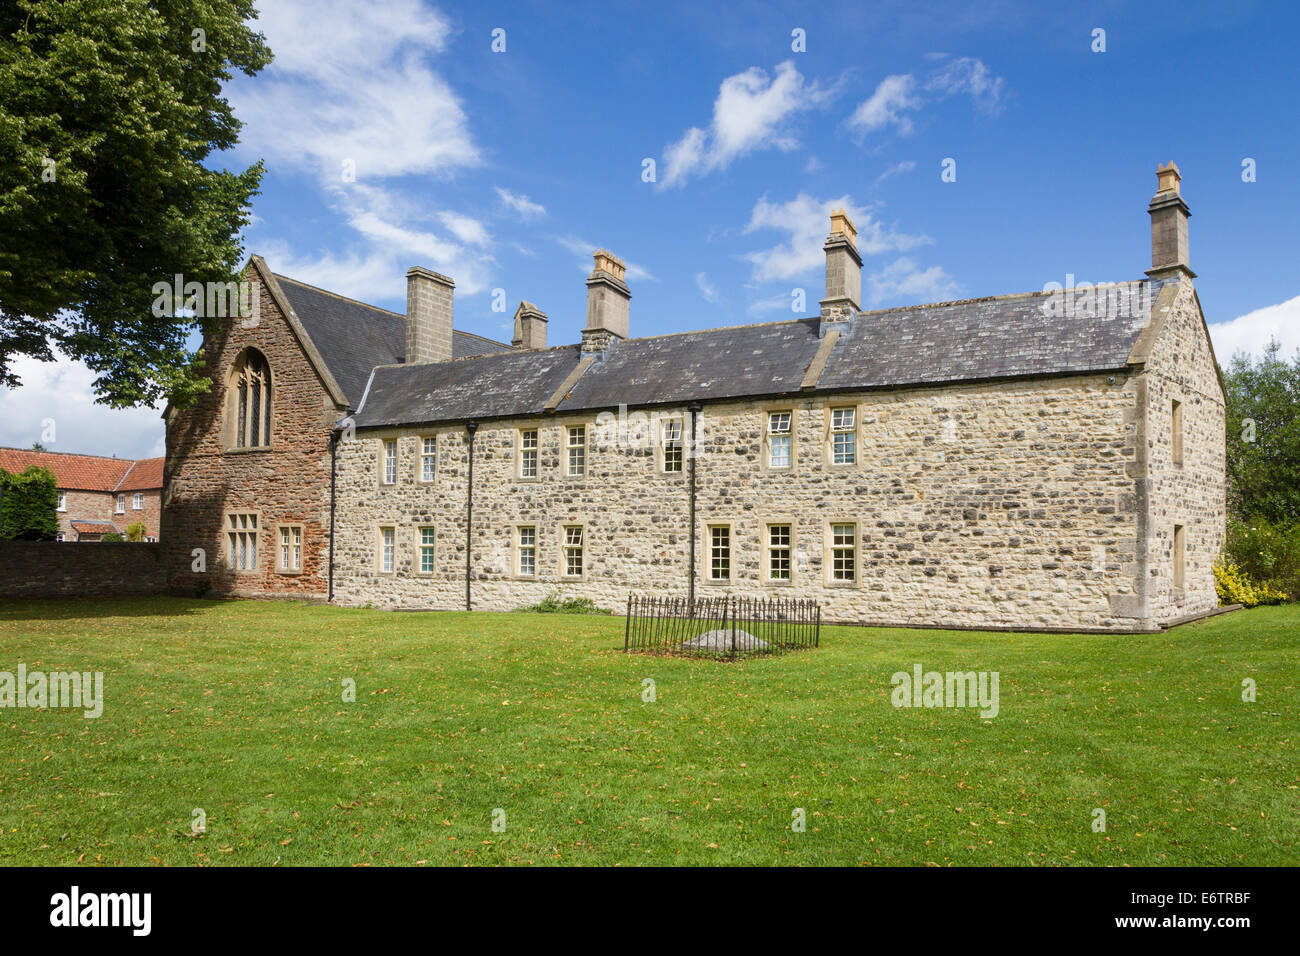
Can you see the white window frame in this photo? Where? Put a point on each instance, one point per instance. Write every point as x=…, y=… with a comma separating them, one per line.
x=771, y=548
x=428, y=458
x=526, y=547
x=426, y=543
x=672, y=441
x=773, y=435
x=834, y=549
x=388, y=461
x=837, y=430
x=386, y=556
x=63, y=501
x=729, y=557
x=530, y=451
x=571, y=545
x=137, y=501
x=119, y=505
x=289, y=548
x=575, y=451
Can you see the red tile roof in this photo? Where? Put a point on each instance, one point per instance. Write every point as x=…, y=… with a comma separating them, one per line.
x=86, y=472
x=94, y=527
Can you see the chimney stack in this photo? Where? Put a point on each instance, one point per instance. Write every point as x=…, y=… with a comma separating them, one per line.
x=1168, y=226
x=530, y=327
x=607, y=303
x=843, y=270
x=428, y=316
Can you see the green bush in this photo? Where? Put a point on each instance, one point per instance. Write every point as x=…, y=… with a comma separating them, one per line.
x=29, y=504
x=112, y=538
x=1268, y=552
x=555, y=604
x=135, y=532
x=1234, y=586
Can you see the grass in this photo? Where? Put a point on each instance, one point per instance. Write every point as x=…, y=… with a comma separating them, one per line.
x=236, y=708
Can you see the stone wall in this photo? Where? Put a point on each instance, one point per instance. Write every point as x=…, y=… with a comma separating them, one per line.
x=996, y=505
x=52, y=569
x=285, y=483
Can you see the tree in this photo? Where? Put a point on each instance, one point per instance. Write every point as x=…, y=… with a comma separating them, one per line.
x=29, y=504
x=108, y=111
x=135, y=532
x=1263, y=435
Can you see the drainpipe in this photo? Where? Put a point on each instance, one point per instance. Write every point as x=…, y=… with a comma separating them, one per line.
x=470, y=427
x=334, y=450
x=694, y=409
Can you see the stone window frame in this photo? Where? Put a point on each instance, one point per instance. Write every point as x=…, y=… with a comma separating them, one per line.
x=562, y=538
x=765, y=441
x=732, y=566
x=1176, y=449
x=280, y=527
x=765, y=547
x=235, y=384
x=1178, y=549
x=661, y=446
x=418, y=540
x=422, y=454
x=380, y=528
x=516, y=551
x=567, y=448
x=225, y=554
x=381, y=460
x=536, y=449
x=828, y=442
x=828, y=553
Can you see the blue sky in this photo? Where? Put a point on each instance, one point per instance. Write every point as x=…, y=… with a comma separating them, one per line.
x=505, y=169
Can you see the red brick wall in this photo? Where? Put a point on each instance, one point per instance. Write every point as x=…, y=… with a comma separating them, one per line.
x=84, y=506
x=287, y=483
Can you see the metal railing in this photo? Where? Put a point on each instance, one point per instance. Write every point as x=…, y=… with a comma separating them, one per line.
x=720, y=627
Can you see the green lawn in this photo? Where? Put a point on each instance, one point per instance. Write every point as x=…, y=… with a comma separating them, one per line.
x=236, y=708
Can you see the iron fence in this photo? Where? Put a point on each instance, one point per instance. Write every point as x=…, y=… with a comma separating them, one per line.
x=725, y=627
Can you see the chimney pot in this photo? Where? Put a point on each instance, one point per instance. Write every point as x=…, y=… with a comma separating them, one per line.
x=429, y=301
x=843, y=271
x=1169, y=215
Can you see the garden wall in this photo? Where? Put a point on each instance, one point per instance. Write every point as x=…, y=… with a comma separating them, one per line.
x=35, y=569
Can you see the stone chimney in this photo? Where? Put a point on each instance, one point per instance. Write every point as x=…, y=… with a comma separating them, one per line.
x=428, y=316
x=1168, y=226
x=530, y=327
x=607, y=303
x=843, y=270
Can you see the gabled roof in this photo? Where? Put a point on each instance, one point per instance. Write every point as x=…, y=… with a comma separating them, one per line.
x=352, y=337
x=945, y=343
x=76, y=472
x=145, y=474
x=94, y=527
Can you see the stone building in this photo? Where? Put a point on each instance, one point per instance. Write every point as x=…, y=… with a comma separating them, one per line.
x=1047, y=460
x=97, y=495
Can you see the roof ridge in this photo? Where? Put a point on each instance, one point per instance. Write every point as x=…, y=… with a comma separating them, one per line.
x=992, y=298
x=335, y=295
x=78, y=454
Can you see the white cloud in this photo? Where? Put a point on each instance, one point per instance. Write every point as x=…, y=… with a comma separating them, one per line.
x=906, y=166
x=521, y=204
x=466, y=229
x=706, y=288
x=897, y=95
x=1251, y=332
x=903, y=279
x=806, y=220
x=887, y=105
x=62, y=390
x=751, y=112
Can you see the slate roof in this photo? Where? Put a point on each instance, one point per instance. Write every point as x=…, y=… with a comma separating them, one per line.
x=353, y=337
x=951, y=342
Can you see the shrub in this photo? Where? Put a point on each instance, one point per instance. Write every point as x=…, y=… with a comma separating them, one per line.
x=29, y=504
x=135, y=532
x=1267, y=552
x=554, y=603
x=112, y=538
x=1235, y=587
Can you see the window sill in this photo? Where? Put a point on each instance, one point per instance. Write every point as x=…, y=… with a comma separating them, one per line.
x=718, y=582
x=248, y=450
x=290, y=574
x=781, y=583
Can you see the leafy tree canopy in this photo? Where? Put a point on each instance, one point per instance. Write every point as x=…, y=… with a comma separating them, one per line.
x=108, y=111
x=28, y=505
x=1263, y=424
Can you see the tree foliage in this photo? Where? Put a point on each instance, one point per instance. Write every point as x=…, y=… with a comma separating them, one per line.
x=1263, y=425
x=29, y=504
x=109, y=110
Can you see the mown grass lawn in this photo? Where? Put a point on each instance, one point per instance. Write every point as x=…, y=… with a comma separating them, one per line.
x=236, y=708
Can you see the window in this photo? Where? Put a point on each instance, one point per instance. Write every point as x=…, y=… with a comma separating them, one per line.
x=719, y=553
x=291, y=548
x=59, y=536
x=577, y=451
x=673, y=449
x=429, y=459
x=1180, y=554
x=63, y=501
x=778, y=552
x=137, y=501
x=527, y=551
x=528, y=453
x=387, y=549
x=573, y=552
x=844, y=438
x=120, y=507
x=390, y=461
x=426, y=550
x=780, y=440
x=250, y=401
x=150, y=538
x=1177, y=419
x=241, y=542
x=844, y=552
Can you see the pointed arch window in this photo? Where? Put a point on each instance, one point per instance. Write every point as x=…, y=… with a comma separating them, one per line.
x=250, y=388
